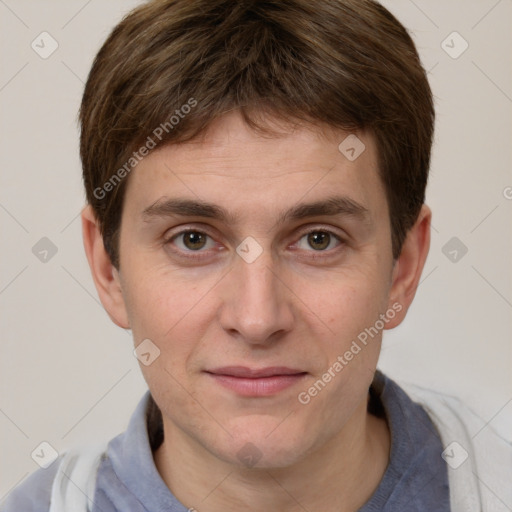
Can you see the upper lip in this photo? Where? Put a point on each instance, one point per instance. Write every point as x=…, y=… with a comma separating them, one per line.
x=254, y=373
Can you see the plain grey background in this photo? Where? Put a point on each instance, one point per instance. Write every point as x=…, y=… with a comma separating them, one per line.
x=68, y=374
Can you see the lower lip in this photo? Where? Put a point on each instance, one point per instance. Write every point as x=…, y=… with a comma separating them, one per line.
x=263, y=386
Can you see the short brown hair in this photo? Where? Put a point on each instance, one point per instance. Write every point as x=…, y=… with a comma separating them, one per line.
x=349, y=64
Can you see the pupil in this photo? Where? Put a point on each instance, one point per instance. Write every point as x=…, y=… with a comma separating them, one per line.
x=319, y=240
x=194, y=240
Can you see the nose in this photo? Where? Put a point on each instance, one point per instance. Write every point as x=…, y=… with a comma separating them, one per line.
x=257, y=305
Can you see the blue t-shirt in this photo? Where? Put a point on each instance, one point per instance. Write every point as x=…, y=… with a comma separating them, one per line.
x=416, y=478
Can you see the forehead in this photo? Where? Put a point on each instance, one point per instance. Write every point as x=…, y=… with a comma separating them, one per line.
x=240, y=169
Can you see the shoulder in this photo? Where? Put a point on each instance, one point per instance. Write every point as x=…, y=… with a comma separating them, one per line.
x=32, y=494
x=479, y=460
x=450, y=414
x=73, y=475
x=456, y=421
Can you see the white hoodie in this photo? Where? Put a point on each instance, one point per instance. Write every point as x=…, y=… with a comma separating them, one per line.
x=482, y=482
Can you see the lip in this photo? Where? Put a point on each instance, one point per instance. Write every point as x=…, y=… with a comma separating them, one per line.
x=256, y=381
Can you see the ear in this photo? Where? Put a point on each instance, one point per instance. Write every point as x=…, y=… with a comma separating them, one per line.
x=409, y=266
x=105, y=275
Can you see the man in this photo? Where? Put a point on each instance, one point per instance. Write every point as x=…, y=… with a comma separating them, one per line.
x=255, y=175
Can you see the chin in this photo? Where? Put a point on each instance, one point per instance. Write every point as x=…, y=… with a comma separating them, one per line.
x=262, y=443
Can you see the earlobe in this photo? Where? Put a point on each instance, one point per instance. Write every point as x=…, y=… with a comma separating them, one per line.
x=106, y=277
x=409, y=266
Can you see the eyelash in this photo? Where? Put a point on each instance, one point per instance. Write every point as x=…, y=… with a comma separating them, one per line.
x=200, y=254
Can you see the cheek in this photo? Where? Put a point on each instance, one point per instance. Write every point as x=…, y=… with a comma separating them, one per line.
x=349, y=302
x=172, y=311
x=159, y=300
x=351, y=310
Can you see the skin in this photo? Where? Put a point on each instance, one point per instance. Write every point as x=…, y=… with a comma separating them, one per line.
x=298, y=305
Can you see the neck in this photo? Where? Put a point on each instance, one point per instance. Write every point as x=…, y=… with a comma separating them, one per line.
x=339, y=476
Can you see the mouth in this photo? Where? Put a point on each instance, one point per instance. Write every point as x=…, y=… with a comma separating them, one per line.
x=254, y=382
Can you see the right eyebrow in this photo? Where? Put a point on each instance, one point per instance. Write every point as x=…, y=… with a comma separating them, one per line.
x=187, y=208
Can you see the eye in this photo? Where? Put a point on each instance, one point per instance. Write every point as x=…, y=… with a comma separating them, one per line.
x=191, y=240
x=318, y=240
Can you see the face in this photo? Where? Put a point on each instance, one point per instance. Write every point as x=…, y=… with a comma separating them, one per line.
x=254, y=264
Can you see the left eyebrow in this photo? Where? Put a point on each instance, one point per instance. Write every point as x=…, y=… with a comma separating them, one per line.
x=332, y=206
